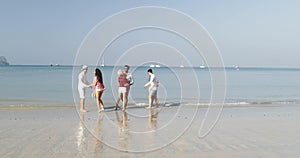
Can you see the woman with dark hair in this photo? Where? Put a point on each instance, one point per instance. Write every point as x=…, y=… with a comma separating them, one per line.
x=153, y=85
x=99, y=88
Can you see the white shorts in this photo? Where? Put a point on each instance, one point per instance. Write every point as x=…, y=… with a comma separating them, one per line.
x=81, y=93
x=98, y=90
x=122, y=90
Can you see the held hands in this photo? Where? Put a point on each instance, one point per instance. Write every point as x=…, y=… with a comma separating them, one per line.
x=90, y=85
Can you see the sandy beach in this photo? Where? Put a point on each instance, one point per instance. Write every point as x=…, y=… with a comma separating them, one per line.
x=252, y=131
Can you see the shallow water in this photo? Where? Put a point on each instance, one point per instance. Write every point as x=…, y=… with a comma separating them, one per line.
x=45, y=85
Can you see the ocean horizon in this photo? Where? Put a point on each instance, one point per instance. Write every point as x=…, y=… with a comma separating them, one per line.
x=178, y=66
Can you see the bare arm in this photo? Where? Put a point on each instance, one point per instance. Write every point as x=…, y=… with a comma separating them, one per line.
x=151, y=80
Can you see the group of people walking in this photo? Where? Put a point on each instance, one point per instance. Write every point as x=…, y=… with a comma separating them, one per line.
x=125, y=81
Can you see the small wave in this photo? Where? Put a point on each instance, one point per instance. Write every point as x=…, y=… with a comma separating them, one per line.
x=141, y=104
x=275, y=102
x=30, y=107
x=160, y=104
x=166, y=104
x=225, y=104
x=241, y=104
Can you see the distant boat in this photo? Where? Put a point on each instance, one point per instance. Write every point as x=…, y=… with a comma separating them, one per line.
x=152, y=65
x=181, y=66
x=102, y=65
x=202, y=67
x=51, y=65
x=237, y=67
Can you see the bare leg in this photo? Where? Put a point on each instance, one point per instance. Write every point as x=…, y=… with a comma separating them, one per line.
x=100, y=100
x=122, y=97
x=127, y=91
x=82, y=109
x=118, y=100
x=150, y=101
x=126, y=96
x=117, y=103
x=124, y=102
x=156, y=101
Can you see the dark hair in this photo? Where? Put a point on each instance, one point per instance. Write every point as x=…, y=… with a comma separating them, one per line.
x=149, y=70
x=98, y=74
x=127, y=66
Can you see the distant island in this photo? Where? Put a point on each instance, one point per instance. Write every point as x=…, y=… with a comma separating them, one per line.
x=3, y=61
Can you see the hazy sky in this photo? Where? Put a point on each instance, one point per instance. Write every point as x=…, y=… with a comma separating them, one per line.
x=247, y=32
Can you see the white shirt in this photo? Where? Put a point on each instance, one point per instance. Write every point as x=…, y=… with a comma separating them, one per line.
x=129, y=78
x=152, y=82
x=82, y=81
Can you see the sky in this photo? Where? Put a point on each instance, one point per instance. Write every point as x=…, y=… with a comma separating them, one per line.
x=256, y=33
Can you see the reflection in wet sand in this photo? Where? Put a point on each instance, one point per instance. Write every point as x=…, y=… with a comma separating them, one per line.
x=82, y=135
x=91, y=133
x=98, y=146
x=123, y=130
x=152, y=120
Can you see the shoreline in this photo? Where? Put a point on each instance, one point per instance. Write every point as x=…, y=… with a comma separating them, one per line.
x=239, y=132
x=130, y=106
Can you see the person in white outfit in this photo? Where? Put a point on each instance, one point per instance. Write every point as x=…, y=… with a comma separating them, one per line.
x=129, y=78
x=82, y=84
x=152, y=90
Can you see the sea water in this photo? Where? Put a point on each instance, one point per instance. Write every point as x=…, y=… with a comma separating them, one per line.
x=57, y=85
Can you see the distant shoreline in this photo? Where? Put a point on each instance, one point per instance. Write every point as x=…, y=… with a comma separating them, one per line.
x=226, y=67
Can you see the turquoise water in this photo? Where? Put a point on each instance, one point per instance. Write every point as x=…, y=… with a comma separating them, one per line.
x=45, y=85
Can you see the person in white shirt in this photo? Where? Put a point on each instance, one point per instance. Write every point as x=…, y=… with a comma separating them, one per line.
x=82, y=84
x=153, y=85
x=129, y=83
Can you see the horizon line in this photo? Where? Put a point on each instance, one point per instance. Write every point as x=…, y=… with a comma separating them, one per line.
x=162, y=66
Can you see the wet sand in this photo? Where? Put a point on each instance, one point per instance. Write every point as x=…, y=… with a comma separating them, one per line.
x=269, y=131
